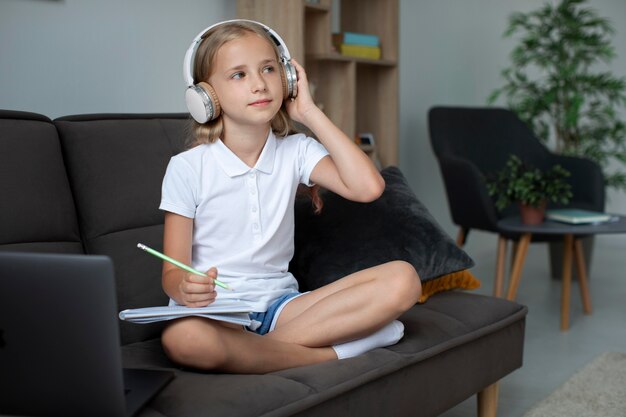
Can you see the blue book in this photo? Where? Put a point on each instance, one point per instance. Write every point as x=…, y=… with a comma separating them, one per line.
x=353, y=38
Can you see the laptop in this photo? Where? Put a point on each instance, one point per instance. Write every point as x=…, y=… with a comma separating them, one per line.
x=59, y=340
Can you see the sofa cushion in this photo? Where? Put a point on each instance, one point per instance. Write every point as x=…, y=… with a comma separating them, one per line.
x=348, y=236
x=116, y=165
x=41, y=215
x=463, y=279
x=461, y=334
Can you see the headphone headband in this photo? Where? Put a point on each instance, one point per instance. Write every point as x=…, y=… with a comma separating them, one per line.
x=202, y=101
x=191, y=51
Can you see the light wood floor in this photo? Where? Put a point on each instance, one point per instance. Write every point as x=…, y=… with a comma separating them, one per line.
x=552, y=356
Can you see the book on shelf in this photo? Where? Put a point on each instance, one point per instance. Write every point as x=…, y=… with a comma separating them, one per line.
x=231, y=311
x=353, y=38
x=360, y=51
x=359, y=45
x=577, y=216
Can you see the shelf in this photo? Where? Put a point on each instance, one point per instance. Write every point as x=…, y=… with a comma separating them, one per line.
x=314, y=7
x=357, y=94
x=333, y=56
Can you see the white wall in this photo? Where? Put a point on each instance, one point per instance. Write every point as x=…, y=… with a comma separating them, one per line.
x=60, y=57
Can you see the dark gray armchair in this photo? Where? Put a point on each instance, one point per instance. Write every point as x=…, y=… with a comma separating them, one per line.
x=471, y=142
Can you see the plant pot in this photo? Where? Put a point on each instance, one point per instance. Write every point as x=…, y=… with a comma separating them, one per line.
x=531, y=214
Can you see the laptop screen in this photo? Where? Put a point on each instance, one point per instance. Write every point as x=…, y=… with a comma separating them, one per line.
x=60, y=348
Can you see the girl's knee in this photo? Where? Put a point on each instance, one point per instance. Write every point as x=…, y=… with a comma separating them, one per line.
x=406, y=287
x=193, y=342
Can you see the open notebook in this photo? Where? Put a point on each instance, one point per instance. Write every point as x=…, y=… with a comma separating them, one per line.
x=230, y=311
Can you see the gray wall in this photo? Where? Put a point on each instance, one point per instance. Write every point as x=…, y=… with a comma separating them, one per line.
x=452, y=52
x=60, y=57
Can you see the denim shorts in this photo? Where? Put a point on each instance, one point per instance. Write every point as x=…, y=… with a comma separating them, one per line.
x=264, y=322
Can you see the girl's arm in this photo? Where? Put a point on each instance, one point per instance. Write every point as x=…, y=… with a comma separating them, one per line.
x=183, y=287
x=348, y=171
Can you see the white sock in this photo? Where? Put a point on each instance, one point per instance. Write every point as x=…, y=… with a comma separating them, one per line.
x=387, y=336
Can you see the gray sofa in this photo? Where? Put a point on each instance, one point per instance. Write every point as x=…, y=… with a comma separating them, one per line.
x=91, y=184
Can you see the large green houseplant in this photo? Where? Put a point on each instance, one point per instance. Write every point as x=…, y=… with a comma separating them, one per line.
x=555, y=84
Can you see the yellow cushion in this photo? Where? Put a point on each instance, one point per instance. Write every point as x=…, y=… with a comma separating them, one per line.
x=463, y=279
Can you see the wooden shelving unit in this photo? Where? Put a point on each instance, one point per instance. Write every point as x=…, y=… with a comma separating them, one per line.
x=359, y=95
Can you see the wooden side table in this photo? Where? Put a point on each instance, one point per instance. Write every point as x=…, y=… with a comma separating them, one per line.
x=572, y=248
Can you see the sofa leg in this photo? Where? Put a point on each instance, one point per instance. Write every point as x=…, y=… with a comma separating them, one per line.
x=488, y=401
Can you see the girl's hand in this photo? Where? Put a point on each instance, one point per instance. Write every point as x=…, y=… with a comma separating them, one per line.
x=199, y=291
x=299, y=107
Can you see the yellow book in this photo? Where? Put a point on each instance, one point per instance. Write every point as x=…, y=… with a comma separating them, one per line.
x=360, y=51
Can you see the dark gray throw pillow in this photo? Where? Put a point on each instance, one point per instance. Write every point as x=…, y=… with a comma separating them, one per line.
x=347, y=236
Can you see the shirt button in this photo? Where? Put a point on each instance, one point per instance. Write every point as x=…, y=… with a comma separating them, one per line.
x=254, y=209
x=255, y=226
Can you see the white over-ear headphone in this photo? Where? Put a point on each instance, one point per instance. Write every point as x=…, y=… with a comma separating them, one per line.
x=202, y=102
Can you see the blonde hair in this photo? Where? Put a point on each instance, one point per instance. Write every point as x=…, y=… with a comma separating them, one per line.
x=211, y=42
x=210, y=131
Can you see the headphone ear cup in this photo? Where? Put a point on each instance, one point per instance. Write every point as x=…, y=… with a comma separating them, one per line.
x=283, y=80
x=289, y=79
x=202, y=102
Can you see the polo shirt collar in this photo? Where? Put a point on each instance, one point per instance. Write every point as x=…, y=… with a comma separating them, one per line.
x=233, y=166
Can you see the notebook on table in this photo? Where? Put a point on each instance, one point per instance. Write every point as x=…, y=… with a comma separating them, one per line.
x=59, y=340
x=577, y=216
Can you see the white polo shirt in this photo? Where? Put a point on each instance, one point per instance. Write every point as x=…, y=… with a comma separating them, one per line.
x=243, y=217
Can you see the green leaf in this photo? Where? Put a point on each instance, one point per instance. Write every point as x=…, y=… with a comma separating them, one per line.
x=553, y=83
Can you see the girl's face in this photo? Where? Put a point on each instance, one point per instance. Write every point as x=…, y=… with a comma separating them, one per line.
x=247, y=82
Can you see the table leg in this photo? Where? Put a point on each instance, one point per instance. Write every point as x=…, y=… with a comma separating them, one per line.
x=499, y=282
x=518, y=263
x=461, y=237
x=581, y=268
x=566, y=281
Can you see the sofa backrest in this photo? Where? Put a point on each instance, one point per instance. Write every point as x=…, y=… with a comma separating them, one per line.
x=37, y=212
x=116, y=165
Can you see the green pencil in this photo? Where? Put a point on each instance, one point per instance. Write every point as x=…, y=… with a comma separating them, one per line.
x=179, y=264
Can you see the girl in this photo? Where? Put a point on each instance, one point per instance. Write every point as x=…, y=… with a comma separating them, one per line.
x=228, y=204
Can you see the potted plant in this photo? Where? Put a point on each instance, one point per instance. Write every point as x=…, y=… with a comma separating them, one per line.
x=555, y=85
x=529, y=187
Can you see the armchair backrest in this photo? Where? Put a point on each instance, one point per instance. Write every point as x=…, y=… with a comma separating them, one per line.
x=484, y=136
x=472, y=142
